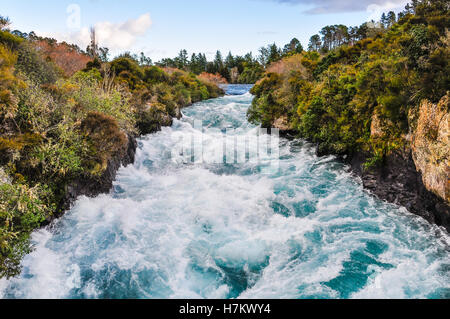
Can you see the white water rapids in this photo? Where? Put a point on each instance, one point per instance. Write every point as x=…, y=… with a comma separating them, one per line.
x=199, y=230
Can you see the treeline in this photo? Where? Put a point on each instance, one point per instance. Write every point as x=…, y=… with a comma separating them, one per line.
x=360, y=93
x=334, y=36
x=58, y=127
x=233, y=68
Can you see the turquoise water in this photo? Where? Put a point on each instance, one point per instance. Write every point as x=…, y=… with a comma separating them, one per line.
x=172, y=228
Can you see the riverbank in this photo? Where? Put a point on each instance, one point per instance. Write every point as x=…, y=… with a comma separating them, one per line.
x=397, y=181
x=64, y=132
x=380, y=102
x=177, y=228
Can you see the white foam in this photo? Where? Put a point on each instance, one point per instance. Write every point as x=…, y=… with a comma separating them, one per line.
x=173, y=228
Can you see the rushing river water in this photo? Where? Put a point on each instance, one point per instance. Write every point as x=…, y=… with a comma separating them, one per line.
x=177, y=229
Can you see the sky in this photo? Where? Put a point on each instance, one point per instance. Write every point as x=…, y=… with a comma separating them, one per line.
x=160, y=28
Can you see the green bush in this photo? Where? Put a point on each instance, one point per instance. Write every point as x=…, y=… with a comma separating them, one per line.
x=105, y=140
x=387, y=74
x=22, y=209
x=9, y=40
x=34, y=66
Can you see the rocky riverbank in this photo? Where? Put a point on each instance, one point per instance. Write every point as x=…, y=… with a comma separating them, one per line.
x=398, y=181
x=417, y=175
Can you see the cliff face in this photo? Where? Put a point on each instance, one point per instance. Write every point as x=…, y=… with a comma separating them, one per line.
x=398, y=181
x=417, y=175
x=431, y=148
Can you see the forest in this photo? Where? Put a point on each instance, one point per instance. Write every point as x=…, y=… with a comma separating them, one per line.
x=245, y=69
x=359, y=89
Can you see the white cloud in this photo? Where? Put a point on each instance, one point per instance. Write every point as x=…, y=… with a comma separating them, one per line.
x=376, y=10
x=115, y=36
x=333, y=6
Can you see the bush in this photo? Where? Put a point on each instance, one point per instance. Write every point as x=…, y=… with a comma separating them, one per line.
x=105, y=140
x=9, y=84
x=9, y=40
x=34, y=66
x=153, y=75
x=22, y=209
x=87, y=95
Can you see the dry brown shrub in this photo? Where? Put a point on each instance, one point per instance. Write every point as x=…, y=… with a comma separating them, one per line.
x=286, y=65
x=213, y=78
x=65, y=56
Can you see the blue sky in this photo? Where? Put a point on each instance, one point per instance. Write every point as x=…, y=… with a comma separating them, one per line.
x=160, y=28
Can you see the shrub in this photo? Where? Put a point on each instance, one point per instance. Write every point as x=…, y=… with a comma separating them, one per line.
x=68, y=58
x=88, y=95
x=105, y=140
x=9, y=40
x=153, y=75
x=8, y=84
x=213, y=78
x=33, y=65
x=36, y=108
x=22, y=209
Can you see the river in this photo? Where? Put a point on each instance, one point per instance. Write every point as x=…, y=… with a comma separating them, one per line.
x=178, y=226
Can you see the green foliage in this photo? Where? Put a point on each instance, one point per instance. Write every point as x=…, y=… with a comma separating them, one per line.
x=9, y=84
x=153, y=75
x=9, y=40
x=105, y=140
x=251, y=74
x=87, y=94
x=22, y=209
x=384, y=74
x=34, y=66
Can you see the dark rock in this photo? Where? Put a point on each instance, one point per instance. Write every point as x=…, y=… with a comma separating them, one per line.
x=398, y=181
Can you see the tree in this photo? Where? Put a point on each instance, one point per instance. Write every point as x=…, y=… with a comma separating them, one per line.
x=269, y=54
x=181, y=61
x=341, y=35
x=409, y=9
x=92, y=49
x=144, y=60
x=218, y=61
x=229, y=61
x=103, y=54
x=4, y=22
x=197, y=64
x=315, y=43
x=391, y=19
x=293, y=47
x=274, y=53
x=327, y=37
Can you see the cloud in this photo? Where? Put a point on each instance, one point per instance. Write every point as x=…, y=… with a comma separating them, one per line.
x=333, y=6
x=116, y=36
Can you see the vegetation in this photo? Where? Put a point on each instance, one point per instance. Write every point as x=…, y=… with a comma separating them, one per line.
x=353, y=90
x=64, y=114
x=234, y=69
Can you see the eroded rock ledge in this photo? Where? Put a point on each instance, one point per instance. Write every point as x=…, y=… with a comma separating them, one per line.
x=430, y=146
x=399, y=182
x=417, y=176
